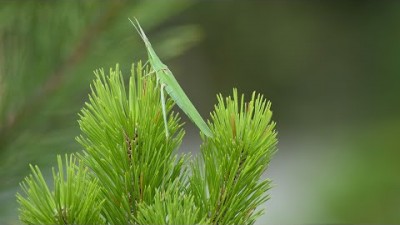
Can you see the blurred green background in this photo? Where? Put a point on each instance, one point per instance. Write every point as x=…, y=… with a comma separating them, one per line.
x=331, y=70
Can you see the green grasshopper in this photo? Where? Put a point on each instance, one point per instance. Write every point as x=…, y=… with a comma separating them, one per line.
x=170, y=84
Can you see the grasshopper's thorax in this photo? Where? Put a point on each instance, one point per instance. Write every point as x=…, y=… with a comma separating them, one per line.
x=164, y=69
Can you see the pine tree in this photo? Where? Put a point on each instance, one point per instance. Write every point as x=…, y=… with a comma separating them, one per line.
x=130, y=173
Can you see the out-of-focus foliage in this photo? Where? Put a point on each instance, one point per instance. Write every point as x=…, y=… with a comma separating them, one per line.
x=333, y=73
x=367, y=182
x=48, y=51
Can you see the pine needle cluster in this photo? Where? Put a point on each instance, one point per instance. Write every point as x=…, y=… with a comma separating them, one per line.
x=74, y=199
x=130, y=173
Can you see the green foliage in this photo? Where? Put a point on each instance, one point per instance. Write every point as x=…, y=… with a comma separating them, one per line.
x=228, y=186
x=171, y=206
x=124, y=138
x=138, y=177
x=74, y=199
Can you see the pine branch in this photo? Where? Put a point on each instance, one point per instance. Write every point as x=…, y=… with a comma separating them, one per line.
x=75, y=199
x=137, y=175
x=124, y=138
x=229, y=189
x=171, y=206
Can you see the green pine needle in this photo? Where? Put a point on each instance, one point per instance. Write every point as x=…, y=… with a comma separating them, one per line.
x=124, y=140
x=171, y=206
x=75, y=199
x=229, y=189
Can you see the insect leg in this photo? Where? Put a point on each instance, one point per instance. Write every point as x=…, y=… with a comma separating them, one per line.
x=164, y=110
x=145, y=64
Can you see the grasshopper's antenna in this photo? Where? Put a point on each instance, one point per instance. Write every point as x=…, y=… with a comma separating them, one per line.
x=137, y=26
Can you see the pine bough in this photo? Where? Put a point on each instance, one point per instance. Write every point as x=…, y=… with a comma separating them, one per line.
x=130, y=173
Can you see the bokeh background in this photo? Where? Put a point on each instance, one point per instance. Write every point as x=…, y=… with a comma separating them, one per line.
x=331, y=70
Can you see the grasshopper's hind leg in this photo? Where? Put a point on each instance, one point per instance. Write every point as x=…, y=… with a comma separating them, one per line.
x=164, y=111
